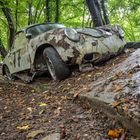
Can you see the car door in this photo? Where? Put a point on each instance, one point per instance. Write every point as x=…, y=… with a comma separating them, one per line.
x=20, y=53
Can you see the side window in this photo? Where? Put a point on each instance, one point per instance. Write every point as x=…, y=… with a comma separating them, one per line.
x=20, y=40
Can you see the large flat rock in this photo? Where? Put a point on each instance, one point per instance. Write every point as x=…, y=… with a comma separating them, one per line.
x=117, y=93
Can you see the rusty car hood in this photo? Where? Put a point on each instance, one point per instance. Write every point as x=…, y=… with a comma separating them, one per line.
x=91, y=32
x=102, y=31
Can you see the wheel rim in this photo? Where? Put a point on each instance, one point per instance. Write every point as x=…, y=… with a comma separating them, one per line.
x=51, y=69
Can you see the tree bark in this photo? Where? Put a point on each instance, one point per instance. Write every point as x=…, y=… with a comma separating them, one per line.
x=39, y=14
x=30, y=12
x=134, y=45
x=37, y=11
x=16, y=15
x=94, y=8
x=83, y=19
x=105, y=16
x=47, y=11
x=2, y=49
x=11, y=26
x=57, y=11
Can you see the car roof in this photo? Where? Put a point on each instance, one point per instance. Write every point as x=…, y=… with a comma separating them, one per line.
x=40, y=24
x=32, y=25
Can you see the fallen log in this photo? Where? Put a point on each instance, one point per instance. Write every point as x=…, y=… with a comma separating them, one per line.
x=134, y=45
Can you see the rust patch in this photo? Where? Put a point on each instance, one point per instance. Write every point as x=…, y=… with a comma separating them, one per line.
x=64, y=44
x=58, y=31
x=76, y=55
x=46, y=36
x=52, y=41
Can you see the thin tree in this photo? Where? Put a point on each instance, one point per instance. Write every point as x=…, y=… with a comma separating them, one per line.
x=104, y=12
x=37, y=11
x=10, y=22
x=16, y=15
x=57, y=11
x=95, y=11
x=3, y=51
x=47, y=11
x=29, y=11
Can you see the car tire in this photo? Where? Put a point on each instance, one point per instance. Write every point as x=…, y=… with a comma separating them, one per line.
x=7, y=74
x=56, y=67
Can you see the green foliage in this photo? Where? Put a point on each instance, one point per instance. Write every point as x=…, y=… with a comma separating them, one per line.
x=126, y=13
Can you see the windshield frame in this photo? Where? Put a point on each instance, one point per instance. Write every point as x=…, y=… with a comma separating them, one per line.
x=49, y=24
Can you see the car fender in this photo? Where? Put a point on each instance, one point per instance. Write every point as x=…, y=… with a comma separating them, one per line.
x=58, y=41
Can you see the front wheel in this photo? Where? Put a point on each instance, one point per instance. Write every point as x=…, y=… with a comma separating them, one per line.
x=56, y=67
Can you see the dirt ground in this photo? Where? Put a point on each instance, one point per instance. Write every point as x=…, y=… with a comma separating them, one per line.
x=47, y=107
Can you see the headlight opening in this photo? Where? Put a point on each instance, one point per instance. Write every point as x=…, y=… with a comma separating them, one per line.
x=72, y=34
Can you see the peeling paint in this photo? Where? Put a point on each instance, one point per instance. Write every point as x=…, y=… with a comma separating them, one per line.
x=101, y=42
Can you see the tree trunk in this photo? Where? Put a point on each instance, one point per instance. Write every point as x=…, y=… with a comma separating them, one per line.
x=47, y=11
x=57, y=11
x=134, y=45
x=105, y=16
x=39, y=14
x=16, y=15
x=83, y=19
x=30, y=12
x=3, y=52
x=37, y=11
x=94, y=8
x=8, y=16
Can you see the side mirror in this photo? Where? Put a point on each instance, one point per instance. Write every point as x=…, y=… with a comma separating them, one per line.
x=28, y=36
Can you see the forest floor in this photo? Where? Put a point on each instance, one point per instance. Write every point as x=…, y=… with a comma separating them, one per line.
x=44, y=107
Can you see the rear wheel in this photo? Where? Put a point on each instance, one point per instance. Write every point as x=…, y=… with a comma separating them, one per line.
x=7, y=73
x=56, y=67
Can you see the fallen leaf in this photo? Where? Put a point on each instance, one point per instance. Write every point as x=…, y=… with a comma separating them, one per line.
x=46, y=91
x=32, y=91
x=5, y=107
x=64, y=97
x=125, y=108
x=49, y=97
x=89, y=75
x=79, y=79
x=120, y=74
x=81, y=90
x=122, y=130
x=35, y=133
x=54, y=136
x=69, y=84
x=77, y=136
x=118, y=88
x=42, y=104
x=115, y=104
x=25, y=127
x=123, y=136
x=76, y=95
x=113, y=133
x=62, y=132
x=41, y=112
x=58, y=111
x=30, y=109
x=65, y=89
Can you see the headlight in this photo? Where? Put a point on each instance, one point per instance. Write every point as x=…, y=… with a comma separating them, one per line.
x=72, y=34
x=120, y=31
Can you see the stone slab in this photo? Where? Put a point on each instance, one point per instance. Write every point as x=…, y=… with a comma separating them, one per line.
x=117, y=94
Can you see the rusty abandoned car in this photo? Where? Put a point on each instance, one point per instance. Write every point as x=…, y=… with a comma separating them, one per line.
x=54, y=48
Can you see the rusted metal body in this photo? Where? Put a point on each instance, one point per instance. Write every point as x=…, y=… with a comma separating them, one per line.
x=91, y=45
